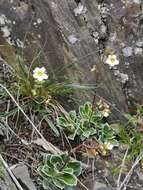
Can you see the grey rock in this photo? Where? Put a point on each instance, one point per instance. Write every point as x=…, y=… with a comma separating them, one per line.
x=1, y=132
x=80, y=9
x=101, y=186
x=22, y=174
x=136, y=1
x=139, y=43
x=127, y=51
x=138, y=51
x=72, y=39
x=6, y=182
x=139, y=174
x=124, y=78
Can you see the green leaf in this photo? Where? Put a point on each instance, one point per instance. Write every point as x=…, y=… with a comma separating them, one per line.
x=58, y=183
x=82, y=87
x=49, y=172
x=96, y=117
x=51, y=125
x=76, y=166
x=46, y=159
x=88, y=108
x=124, y=136
x=72, y=115
x=81, y=110
x=61, y=121
x=88, y=132
x=56, y=160
x=68, y=179
x=65, y=157
x=12, y=112
x=68, y=170
x=72, y=136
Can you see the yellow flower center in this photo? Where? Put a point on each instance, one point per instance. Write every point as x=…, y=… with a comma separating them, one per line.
x=40, y=73
x=112, y=60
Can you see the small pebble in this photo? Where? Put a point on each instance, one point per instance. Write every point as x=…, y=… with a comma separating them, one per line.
x=72, y=39
x=127, y=51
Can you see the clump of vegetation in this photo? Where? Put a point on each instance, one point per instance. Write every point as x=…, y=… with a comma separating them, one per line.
x=59, y=172
x=81, y=124
x=131, y=134
x=36, y=88
x=86, y=123
x=35, y=83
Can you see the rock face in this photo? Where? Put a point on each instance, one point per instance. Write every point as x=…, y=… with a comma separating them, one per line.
x=22, y=174
x=78, y=35
x=5, y=180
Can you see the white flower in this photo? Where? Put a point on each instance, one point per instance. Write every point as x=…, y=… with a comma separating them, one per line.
x=40, y=74
x=108, y=146
x=112, y=60
x=105, y=112
x=104, y=108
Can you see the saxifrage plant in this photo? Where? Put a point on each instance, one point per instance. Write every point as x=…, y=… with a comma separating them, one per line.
x=80, y=124
x=59, y=172
x=86, y=123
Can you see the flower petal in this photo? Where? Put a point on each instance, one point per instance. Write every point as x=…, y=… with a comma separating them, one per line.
x=36, y=70
x=40, y=79
x=35, y=75
x=42, y=69
x=40, y=73
x=113, y=57
x=45, y=76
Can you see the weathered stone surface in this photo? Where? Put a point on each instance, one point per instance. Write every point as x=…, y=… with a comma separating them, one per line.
x=5, y=181
x=22, y=174
x=81, y=35
x=101, y=186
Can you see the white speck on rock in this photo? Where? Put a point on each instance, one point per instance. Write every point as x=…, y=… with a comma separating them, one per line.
x=127, y=64
x=113, y=37
x=2, y=19
x=123, y=77
x=6, y=31
x=54, y=5
x=39, y=21
x=138, y=51
x=103, y=29
x=127, y=51
x=80, y=9
x=20, y=43
x=136, y=1
x=95, y=37
x=72, y=39
x=116, y=72
x=14, y=8
x=139, y=43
